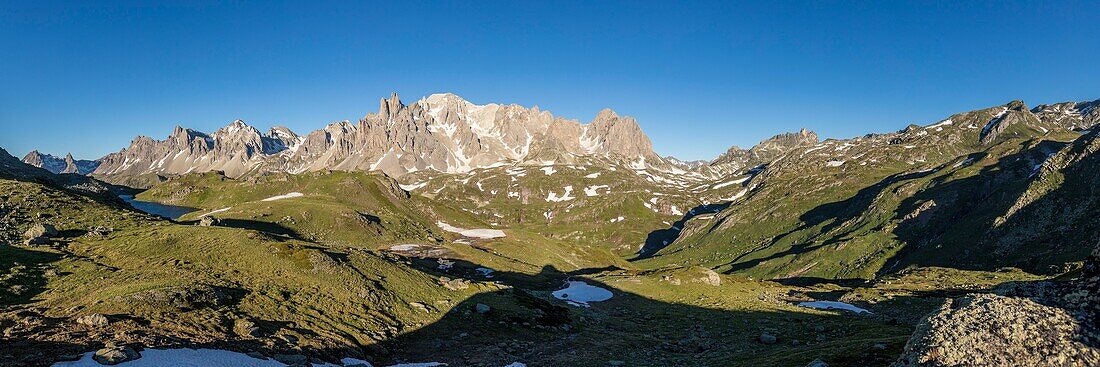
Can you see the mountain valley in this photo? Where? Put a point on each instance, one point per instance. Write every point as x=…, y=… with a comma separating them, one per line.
x=448, y=232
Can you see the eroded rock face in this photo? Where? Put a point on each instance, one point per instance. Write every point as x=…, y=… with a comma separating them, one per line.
x=441, y=132
x=1014, y=113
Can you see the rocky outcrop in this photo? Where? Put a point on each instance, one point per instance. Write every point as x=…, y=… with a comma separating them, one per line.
x=112, y=355
x=1069, y=115
x=736, y=159
x=992, y=330
x=94, y=320
x=1014, y=114
x=39, y=234
x=1032, y=324
x=209, y=221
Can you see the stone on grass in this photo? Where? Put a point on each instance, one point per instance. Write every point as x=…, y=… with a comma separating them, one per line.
x=94, y=320
x=767, y=338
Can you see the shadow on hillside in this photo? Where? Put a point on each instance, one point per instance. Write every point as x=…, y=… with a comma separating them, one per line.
x=661, y=238
x=254, y=225
x=948, y=222
x=829, y=216
x=933, y=222
x=23, y=273
x=527, y=324
x=833, y=215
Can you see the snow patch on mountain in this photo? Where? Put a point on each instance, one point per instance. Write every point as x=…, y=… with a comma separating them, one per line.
x=594, y=190
x=567, y=195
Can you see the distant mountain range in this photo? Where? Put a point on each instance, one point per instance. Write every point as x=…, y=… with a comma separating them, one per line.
x=447, y=134
x=60, y=165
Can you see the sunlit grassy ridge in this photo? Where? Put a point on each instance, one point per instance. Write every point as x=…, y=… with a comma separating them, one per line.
x=876, y=205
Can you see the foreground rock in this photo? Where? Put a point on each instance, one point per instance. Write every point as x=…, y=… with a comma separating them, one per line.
x=112, y=355
x=992, y=330
x=1056, y=325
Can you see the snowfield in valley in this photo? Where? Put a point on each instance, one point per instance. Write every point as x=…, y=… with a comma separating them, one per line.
x=482, y=233
x=579, y=293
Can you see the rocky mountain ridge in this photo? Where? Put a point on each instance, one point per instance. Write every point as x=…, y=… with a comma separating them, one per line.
x=447, y=134
x=442, y=133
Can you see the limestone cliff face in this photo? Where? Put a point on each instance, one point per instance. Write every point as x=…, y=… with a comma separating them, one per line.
x=441, y=132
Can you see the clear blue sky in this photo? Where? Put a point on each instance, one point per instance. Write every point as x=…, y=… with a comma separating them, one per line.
x=87, y=77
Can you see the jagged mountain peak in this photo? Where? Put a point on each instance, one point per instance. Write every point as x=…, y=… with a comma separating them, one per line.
x=438, y=98
x=282, y=132
x=237, y=126
x=1017, y=105
x=45, y=161
x=606, y=114
x=391, y=105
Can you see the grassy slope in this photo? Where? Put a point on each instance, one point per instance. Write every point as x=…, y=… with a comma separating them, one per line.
x=336, y=209
x=519, y=198
x=855, y=221
x=353, y=297
x=338, y=298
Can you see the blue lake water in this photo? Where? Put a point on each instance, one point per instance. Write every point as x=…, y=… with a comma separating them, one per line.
x=158, y=209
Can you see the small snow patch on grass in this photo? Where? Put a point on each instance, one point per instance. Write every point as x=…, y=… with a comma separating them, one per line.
x=225, y=209
x=412, y=187
x=553, y=196
x=593, y=190
x=284, y=196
